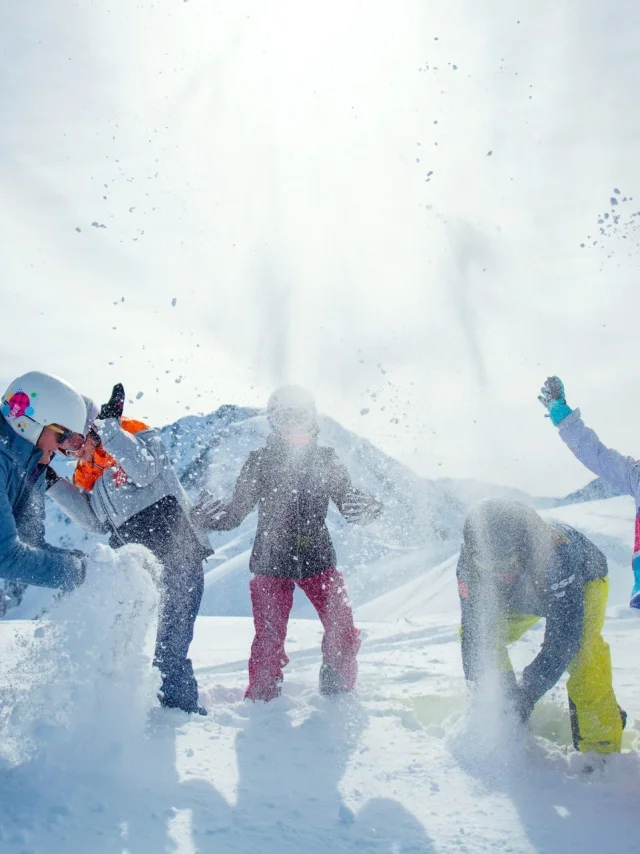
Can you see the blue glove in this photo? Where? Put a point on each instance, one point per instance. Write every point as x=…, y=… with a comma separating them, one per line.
x=552, y=397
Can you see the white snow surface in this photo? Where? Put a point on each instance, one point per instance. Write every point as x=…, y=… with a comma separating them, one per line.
x=90, y=763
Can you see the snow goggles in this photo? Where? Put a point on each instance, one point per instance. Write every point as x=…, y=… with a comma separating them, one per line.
x=502, y=569
x=291, y=418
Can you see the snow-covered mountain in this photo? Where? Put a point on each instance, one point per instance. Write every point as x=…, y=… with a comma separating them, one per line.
x=595, y=490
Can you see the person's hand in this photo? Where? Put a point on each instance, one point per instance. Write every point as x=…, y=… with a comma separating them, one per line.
x=207, y=510
x=51, y=477
x=552, y=397
x=516, y=698
x=360, y=508
x=114, y=407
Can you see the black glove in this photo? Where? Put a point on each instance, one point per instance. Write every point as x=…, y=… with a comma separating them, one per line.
x=358, y=507
x=517, y=698
x=115, y=405
x=50, y=477
x=207, y=511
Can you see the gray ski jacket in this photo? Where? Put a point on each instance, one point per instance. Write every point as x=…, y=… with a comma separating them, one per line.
x=143, y=477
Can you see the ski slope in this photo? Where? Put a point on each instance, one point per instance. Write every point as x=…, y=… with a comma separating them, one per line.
x=90, y=764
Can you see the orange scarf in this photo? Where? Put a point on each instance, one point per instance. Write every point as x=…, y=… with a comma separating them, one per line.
x=87, y=474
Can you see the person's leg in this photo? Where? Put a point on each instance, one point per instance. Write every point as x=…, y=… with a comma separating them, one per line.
x=182, y=587
x=165, y=530
x=341, y=642
x=271, y=600
x=596, y=718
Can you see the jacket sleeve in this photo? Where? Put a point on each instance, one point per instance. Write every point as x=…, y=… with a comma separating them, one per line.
x=141, y=455
x=244, y=499
x=562, y=637
x=469, y=624
x=76, y=504
x=341, y=489
x=618, y=470
x=46, y=566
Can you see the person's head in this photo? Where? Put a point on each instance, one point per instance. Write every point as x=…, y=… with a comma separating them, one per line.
x=92, y=439
x=45, y=411
x=292, y=414
x=504, y=538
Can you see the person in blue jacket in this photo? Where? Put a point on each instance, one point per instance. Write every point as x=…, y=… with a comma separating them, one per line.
x=619, y=471
x=516, y=568
x=40, y=416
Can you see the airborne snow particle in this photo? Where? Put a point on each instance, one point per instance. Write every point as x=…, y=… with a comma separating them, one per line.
x=174, y=301
x=489, y=153
x=616, y=191
x=139, y=395
x=78, y=229
x=613, y=201
x=364, y=411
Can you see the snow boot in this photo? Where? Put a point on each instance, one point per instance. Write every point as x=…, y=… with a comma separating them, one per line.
x=266, y=694
x=190, y=709
x=330, y=681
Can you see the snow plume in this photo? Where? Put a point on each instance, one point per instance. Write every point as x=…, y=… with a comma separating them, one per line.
x=80, y=686
x=467, y=262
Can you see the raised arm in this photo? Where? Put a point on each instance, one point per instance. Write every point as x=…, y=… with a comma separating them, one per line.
x=142, y=455
x=618, y=470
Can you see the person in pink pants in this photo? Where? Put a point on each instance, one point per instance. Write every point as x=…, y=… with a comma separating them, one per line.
x=291, y=480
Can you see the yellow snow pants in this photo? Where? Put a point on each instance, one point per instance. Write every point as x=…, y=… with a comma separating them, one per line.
x=596, y=720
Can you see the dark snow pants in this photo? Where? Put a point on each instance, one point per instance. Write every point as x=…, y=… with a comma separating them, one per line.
x=272, y=599
x=165, y=530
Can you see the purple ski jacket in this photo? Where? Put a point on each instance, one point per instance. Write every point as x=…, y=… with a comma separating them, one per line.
x=621, y=472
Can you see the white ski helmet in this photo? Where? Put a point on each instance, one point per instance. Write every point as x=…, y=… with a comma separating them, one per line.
x=35, y=400
x=293, y=405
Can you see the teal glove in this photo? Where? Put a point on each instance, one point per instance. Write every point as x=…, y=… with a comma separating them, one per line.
x=552, y=397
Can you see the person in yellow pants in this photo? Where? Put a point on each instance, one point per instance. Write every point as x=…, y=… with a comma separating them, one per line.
x=514, y=569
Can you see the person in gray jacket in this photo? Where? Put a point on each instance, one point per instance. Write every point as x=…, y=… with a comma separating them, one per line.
x=125, y=485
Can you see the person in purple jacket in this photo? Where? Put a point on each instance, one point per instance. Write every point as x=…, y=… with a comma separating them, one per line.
x=621, y=472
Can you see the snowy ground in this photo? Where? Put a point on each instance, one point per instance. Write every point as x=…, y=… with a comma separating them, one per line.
x=90, y=765
x=309, y=774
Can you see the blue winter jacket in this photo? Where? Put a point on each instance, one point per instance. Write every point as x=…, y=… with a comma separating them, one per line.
x=557, y=594
x=24, y=555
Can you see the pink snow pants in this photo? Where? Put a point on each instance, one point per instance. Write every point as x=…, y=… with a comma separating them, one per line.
x=272, y=599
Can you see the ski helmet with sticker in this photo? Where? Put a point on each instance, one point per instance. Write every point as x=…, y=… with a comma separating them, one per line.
x=36, y=400
x=292, y=407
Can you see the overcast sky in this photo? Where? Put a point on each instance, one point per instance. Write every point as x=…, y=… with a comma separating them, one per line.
x=383, y=201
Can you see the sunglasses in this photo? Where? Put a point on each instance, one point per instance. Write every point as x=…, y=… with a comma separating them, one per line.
x=65, y=435
x=504, y=570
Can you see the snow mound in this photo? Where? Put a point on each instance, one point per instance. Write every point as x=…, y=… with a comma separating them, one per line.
x=82, y=683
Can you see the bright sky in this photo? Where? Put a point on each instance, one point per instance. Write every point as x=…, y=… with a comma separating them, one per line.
x=382, y=201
